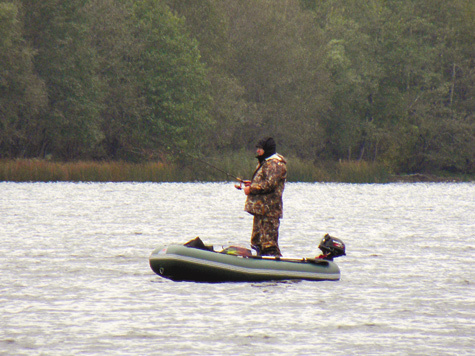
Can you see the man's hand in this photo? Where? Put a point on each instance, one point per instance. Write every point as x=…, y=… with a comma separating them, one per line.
x=247, y=189
x=247, y=186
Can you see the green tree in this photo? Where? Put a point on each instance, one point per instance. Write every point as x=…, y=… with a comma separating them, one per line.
x=172, y=78
x=123, y=105
x=208, y=23
x=22, y=93
x=58, y=31
x=276, y=60
x=400, y=74
x=437, y=130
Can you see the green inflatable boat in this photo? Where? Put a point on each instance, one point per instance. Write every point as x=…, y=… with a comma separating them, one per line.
x=199, y=263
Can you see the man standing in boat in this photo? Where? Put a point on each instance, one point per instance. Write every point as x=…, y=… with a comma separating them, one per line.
x=264, y=198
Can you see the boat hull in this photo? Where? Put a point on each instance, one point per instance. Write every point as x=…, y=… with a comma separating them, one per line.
x=181, y=263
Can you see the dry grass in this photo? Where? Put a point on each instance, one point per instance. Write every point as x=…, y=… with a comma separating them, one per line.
x=46, y=171
x=240, y=165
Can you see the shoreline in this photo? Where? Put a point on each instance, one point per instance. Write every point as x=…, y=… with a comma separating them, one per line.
x=35, y=170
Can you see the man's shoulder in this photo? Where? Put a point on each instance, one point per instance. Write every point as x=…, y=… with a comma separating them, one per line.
x=276, y=166
x=278, y=158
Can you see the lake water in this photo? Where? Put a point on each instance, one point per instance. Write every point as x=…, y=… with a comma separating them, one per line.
x=75, y=279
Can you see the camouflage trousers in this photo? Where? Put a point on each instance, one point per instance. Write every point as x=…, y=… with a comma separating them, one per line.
x=265, y=235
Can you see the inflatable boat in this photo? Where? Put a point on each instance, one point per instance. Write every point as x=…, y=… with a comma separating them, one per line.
x=236, y=264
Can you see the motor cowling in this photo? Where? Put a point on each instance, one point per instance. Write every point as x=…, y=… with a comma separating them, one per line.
x=331, y=247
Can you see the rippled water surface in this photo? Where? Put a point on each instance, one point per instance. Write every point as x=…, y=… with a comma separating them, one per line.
x=75, y=279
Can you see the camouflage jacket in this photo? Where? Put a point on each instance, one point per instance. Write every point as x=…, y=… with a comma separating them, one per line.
x=267, y=186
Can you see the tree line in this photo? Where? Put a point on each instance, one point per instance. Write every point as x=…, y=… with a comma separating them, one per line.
x=387, y=81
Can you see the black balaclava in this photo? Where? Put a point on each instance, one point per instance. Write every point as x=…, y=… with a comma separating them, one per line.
x=268, y=145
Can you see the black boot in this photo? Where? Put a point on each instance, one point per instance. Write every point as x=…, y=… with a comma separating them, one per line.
x=271, y=251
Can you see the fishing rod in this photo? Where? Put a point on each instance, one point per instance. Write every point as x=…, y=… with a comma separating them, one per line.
x=218, y=169
x=241, y=181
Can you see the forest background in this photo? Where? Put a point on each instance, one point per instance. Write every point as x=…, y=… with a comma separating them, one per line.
x=387, y=85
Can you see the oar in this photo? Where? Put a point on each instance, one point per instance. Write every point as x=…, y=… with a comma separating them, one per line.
x=318, y=261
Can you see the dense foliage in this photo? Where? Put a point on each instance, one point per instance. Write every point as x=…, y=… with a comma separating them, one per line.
x=389, y=81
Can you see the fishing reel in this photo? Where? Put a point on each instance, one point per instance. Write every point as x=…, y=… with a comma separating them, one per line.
x=242, y=182
x=331, y=247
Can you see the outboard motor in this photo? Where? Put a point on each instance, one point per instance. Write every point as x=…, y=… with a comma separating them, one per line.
x=331, y=247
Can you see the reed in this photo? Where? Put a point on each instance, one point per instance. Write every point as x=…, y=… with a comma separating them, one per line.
x=243, y=163
x=239, y=164
x=303, y=171
x=90, y=171
x=359, y=172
